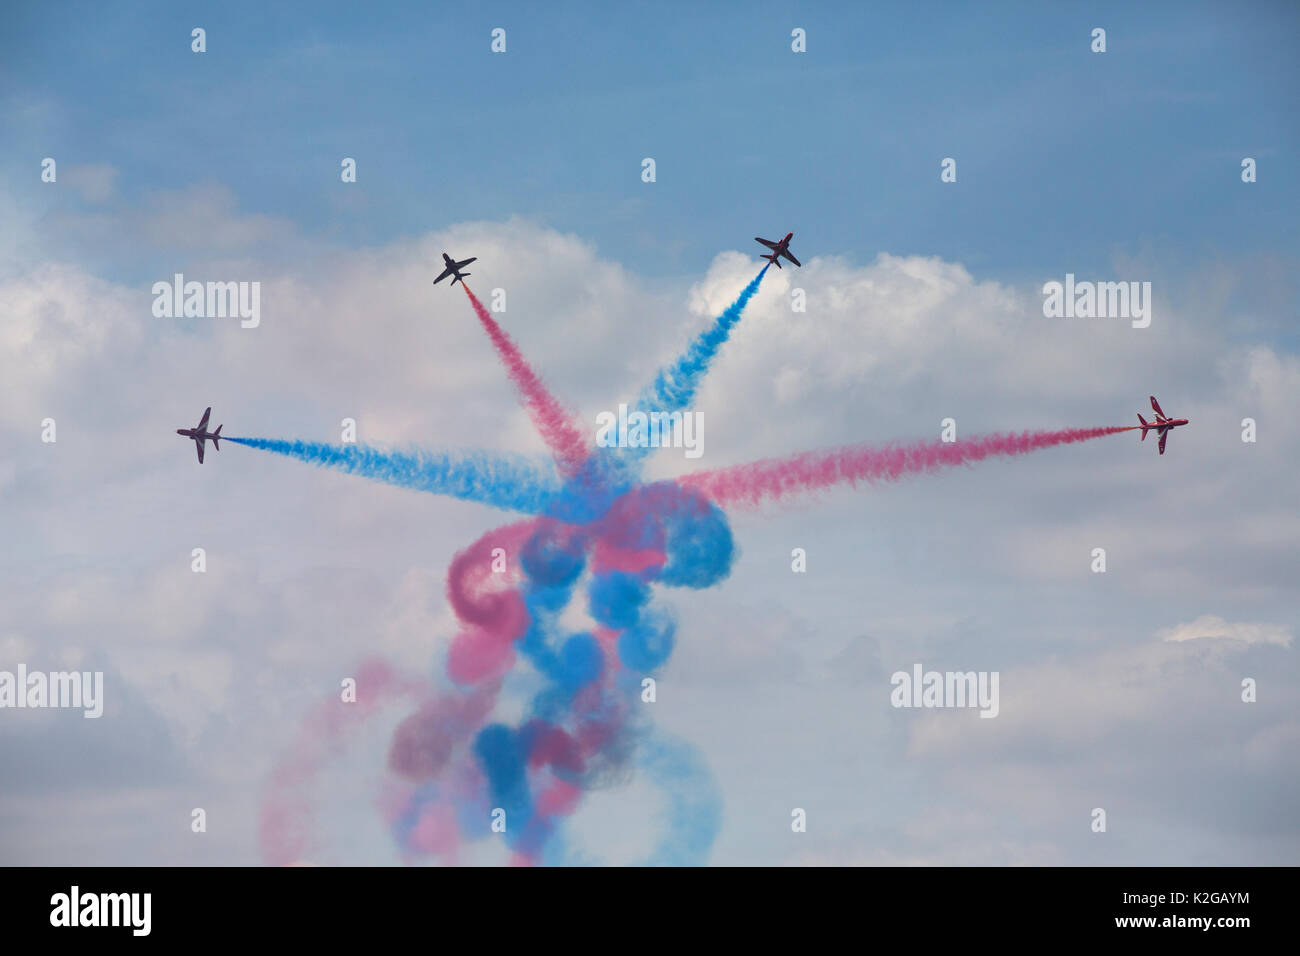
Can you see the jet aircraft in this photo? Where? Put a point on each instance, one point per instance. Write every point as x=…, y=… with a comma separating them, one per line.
x=453, y=269
x=200, y=434
x=1162, y=424
x=779, y=249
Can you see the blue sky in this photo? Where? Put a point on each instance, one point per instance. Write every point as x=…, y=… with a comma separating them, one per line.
x=1063, y=155
x=1119, y=689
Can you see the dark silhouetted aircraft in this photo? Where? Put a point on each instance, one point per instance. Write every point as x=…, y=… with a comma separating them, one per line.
x=779, y=249
x=1161, y=424
x=453, y=269
x=200, y=434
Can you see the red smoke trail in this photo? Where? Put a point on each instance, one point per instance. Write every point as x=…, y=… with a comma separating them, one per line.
x=285, y=827
x=777, y=478
x=558, y=430
x=488, y=605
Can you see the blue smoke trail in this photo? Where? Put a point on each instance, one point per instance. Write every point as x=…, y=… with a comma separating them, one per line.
x=690, y=816
x=693, y=815
x=503, y=756
x=509, y=482
x=675, y=385
x=673, y=389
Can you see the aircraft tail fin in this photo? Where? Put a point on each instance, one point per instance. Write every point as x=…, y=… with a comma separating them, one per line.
x=216, y=436
x=773, y=258
x=1145, y=426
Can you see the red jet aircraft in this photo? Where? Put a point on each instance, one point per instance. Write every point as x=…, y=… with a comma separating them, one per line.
x=779, y=249
x=1161, y=424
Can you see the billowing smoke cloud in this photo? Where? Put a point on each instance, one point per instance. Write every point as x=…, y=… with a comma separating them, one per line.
x=584, y=721
x=458, y=772
x=285, y=828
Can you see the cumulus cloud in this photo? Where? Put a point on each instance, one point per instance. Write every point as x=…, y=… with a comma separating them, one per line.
x=310, y=571
x=1208, y=627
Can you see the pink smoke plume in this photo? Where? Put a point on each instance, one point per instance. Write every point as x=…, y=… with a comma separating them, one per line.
x=488, y=605
x=777, y=478
x=562, y=436
x=285, y=828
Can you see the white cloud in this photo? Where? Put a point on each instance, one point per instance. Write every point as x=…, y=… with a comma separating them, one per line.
x=1211, y=628
x=311, y=571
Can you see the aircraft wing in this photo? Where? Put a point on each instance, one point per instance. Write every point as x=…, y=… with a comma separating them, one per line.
x=767, y=242
x=198, y=445
x=1164, y=435
x=786, y=253
x=462, y=265
x=445, y=272
x=203, y=422
x=1155, y=407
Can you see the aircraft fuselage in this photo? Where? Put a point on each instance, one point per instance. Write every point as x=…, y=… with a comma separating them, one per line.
x=1166, y=424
